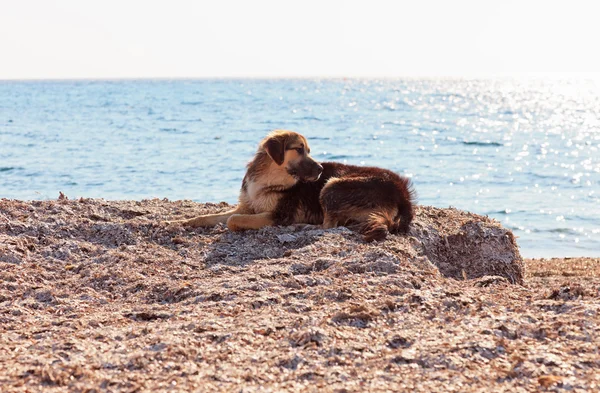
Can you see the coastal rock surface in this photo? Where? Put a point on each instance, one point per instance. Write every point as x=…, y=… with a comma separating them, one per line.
x=104, y=295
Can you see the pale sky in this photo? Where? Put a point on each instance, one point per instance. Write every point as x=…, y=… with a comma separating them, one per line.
x=255, y=38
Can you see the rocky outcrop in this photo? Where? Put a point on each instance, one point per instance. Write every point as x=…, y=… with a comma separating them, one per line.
x=454, y=243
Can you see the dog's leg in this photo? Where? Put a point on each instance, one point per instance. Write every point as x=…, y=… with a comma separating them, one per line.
x=210, y=220
x=239, y=222
x=329, y=221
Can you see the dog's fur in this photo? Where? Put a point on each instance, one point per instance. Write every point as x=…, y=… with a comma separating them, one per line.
x=284, y=185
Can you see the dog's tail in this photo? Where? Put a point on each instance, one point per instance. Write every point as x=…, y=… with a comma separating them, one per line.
x=377, y=226
x=382, y=222
x=406, y=211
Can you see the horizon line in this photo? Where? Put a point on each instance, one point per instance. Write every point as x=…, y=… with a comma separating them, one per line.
x=474, y=76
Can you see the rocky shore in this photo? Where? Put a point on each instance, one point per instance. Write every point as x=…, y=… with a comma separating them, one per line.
x=103, y=296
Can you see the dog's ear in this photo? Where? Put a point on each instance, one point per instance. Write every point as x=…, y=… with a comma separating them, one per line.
x=275, y=147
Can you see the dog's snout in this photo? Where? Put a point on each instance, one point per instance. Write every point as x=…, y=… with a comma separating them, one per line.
x=317, y=170
x=308, y=170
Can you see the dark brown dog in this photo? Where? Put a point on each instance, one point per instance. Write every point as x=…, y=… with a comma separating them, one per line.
x=284, y=185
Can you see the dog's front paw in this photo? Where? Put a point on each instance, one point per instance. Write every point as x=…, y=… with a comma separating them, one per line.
x=233, y=223
x=172, y=225
x=188, y=223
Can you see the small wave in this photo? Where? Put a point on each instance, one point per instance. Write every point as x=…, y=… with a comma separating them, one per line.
x=9, y=168
x=162, y=118
x=396, y=107
x=174, y=131
x=476, y=143
x=593, y=219
x=395, y=123
x=191, y=102
x=310, y=118
x=560, y=231
x=555, y=230
x=541, y=176
x=507, y=212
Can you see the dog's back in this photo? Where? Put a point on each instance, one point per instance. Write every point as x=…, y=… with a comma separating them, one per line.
x=372, y=200
x=375, y=201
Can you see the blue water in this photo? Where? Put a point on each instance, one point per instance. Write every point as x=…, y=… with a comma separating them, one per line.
x=525, y=152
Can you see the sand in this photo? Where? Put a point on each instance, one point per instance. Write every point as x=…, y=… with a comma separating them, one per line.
x=103, y=296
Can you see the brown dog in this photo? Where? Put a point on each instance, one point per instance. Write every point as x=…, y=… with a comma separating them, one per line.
x=284, y=185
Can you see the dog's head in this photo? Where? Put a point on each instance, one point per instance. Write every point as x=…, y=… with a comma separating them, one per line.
x=290, y=150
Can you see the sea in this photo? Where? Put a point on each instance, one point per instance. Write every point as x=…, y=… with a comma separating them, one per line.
x=523, y=151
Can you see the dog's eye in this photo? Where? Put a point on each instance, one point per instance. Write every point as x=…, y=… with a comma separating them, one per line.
x=300, y=150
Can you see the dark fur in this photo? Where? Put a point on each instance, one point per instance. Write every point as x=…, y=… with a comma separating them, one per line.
x=359, y=189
